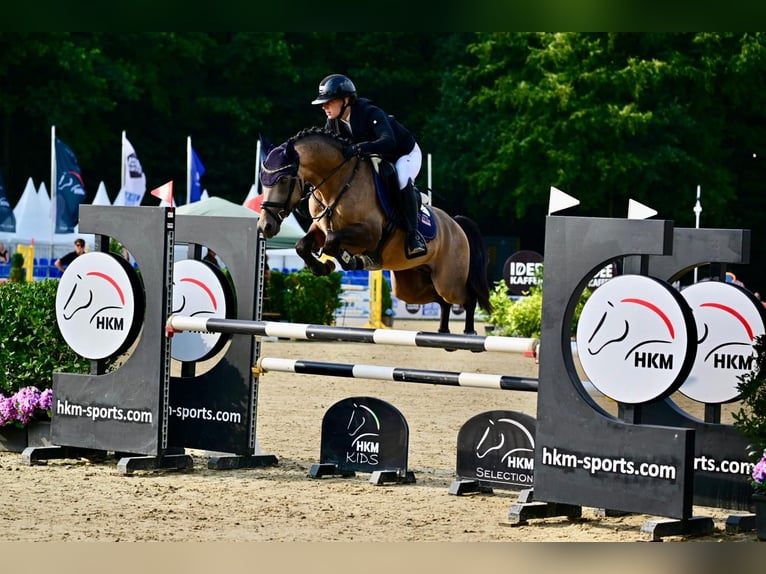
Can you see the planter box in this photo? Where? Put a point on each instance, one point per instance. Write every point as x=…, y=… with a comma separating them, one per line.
x=15, y=439
x=39, y=433
x=759, y=502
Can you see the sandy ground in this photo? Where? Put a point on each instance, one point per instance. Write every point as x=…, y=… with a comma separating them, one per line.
x=76, y=500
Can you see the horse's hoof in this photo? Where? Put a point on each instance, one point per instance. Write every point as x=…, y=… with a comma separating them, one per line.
x=329, y=266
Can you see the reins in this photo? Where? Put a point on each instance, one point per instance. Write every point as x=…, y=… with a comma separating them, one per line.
x=328, y=209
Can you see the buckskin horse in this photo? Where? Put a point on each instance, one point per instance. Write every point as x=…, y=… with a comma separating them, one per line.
x=349, y=224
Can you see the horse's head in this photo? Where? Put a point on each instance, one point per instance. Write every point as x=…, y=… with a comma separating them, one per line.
x=310, y=161
x=282, y=187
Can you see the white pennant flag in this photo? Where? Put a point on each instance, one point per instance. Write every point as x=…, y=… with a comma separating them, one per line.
x=639, y=211
x=134, y=179
x=559, y=201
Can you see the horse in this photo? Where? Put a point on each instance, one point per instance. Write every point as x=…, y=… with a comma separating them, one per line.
x=350, y=225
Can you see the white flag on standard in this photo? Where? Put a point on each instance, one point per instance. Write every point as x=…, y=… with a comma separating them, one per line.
x=559, y=201
x=638, y=210
x=133, y=177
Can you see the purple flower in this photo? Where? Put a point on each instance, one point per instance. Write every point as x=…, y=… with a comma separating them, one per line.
x=25, y=405
x=46, y=400
x=759, y=472
x=7, y=411
x=27, y=401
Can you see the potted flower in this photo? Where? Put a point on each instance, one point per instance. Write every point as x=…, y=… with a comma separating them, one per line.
x=750, y=421
x=19, y=412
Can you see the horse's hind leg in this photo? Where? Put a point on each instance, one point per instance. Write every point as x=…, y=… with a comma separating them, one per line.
x=470, y=311
x=444, y=316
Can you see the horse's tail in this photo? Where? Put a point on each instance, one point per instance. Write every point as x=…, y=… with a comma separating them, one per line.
x=478, y=283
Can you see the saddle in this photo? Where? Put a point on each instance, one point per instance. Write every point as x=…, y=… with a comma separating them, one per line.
x=386, y=184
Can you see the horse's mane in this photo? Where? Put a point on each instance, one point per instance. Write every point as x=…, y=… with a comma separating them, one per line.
x=319, y=131
x=283, y=159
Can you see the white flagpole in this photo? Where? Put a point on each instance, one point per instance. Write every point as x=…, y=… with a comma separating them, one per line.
x=697, y=210
x=257, y=161
x=122, y=162
x=188, y=169
x=53, y=189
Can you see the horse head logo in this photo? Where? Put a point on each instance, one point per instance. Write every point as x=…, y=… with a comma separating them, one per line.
x=189, y=289
x=615, y=328
x=93, y=293
x=495, y=439
x=739, y=335
x=363, y=423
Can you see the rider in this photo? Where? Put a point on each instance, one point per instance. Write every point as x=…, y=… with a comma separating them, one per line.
x=373, y=131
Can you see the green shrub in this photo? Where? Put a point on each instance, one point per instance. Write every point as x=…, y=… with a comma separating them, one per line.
x=750, y=419
x=523, y=317
x=501, y=302
x=302, y=297
x=31, y=346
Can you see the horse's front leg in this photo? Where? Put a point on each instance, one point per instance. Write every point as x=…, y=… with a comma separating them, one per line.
x=308, y=245
x=345, y=244
x=446, y=308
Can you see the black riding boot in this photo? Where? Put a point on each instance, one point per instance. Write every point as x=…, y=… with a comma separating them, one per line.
x=415, y=245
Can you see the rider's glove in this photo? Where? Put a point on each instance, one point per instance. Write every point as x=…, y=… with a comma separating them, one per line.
x=350, y=151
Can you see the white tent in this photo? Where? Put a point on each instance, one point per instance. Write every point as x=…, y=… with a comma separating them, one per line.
x=290, y=232
x=43, y=198
x=102, y=197
x=120, y=199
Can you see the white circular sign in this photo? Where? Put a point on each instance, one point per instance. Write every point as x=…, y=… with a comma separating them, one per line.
x=96, y=305
x=198, y=291
x=728, y=320
x=633, y=339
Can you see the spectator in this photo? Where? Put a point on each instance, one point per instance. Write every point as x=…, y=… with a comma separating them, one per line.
x=211, y=257
x=64, y=262
x=5, y=257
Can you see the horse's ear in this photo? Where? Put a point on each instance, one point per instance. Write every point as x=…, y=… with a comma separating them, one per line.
x=266, y=146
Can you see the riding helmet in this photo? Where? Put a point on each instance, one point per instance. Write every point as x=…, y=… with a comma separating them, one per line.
x=334, y=86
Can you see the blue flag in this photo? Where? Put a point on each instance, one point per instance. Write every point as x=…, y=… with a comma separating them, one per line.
x=7, y=219
x=70, y=189
x=197, y=171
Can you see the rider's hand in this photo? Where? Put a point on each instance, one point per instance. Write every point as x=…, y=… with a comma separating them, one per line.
x=350, y=151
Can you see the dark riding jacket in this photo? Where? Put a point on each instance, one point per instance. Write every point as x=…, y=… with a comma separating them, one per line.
x=374, y=131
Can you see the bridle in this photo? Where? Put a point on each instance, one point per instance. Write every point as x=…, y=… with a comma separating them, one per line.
x=280, y=209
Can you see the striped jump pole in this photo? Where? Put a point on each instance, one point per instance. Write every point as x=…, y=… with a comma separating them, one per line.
x=476, y=343
x=405, y=375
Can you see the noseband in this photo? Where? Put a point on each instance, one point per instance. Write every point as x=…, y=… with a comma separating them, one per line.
x=280, y=209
